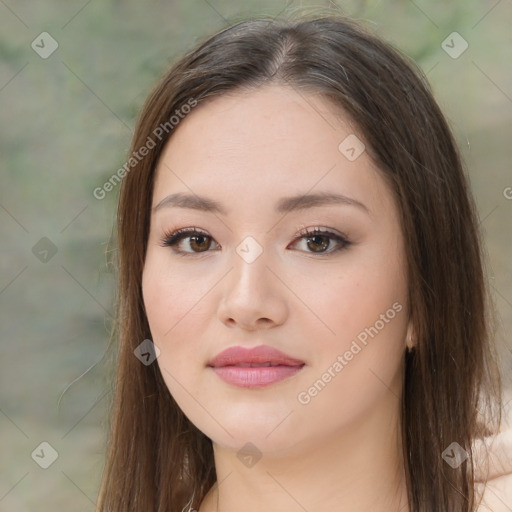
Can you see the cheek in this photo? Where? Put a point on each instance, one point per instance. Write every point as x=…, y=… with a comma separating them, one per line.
x=177, y=309
x=363, y=313
x=343, y=302
x=359, y=368
x=173, y=298
x=166, y=309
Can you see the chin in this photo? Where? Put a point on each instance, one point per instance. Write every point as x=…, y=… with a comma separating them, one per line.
x=272, y=434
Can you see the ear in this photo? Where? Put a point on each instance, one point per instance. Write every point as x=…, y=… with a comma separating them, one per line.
x=410, y=338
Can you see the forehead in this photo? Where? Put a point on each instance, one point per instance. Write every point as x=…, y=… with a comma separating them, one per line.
x=266, y=143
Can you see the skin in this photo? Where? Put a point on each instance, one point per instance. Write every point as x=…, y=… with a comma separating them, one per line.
x=341, y=451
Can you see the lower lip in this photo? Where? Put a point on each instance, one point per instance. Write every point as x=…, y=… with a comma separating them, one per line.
x=255, y=376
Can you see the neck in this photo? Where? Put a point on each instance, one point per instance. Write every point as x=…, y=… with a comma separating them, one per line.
x=356, y=468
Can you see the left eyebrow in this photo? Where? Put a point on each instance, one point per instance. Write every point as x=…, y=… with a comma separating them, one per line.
x=284, y=205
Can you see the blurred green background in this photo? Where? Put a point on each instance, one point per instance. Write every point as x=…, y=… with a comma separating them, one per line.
x=66, y=123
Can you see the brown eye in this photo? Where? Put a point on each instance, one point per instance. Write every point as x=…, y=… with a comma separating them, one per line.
x=319, y=241
x=198, y=241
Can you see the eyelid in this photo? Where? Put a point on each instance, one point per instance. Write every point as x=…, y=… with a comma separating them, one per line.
x=304, y=231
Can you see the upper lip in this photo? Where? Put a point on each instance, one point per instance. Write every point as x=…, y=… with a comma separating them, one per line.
x=261, y=354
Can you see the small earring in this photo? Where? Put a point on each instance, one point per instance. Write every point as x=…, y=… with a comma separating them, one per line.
x=410, y=344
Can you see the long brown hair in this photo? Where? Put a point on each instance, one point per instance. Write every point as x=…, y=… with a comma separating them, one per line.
x=157, y=459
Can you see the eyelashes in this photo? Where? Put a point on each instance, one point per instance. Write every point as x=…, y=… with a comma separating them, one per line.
x=174, y=239
x=315, y=238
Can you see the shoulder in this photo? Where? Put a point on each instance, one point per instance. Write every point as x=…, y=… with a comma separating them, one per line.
x=493, y=478
x=497, y=494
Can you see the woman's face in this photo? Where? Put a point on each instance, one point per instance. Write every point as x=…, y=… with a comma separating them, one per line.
x=334, y=302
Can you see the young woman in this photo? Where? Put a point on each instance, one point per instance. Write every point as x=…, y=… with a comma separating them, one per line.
x=304, y=322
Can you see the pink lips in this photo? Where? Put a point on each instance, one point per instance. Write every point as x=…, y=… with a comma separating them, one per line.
x=256, y=367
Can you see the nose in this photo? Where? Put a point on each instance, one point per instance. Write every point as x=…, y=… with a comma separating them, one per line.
x=252, y=297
